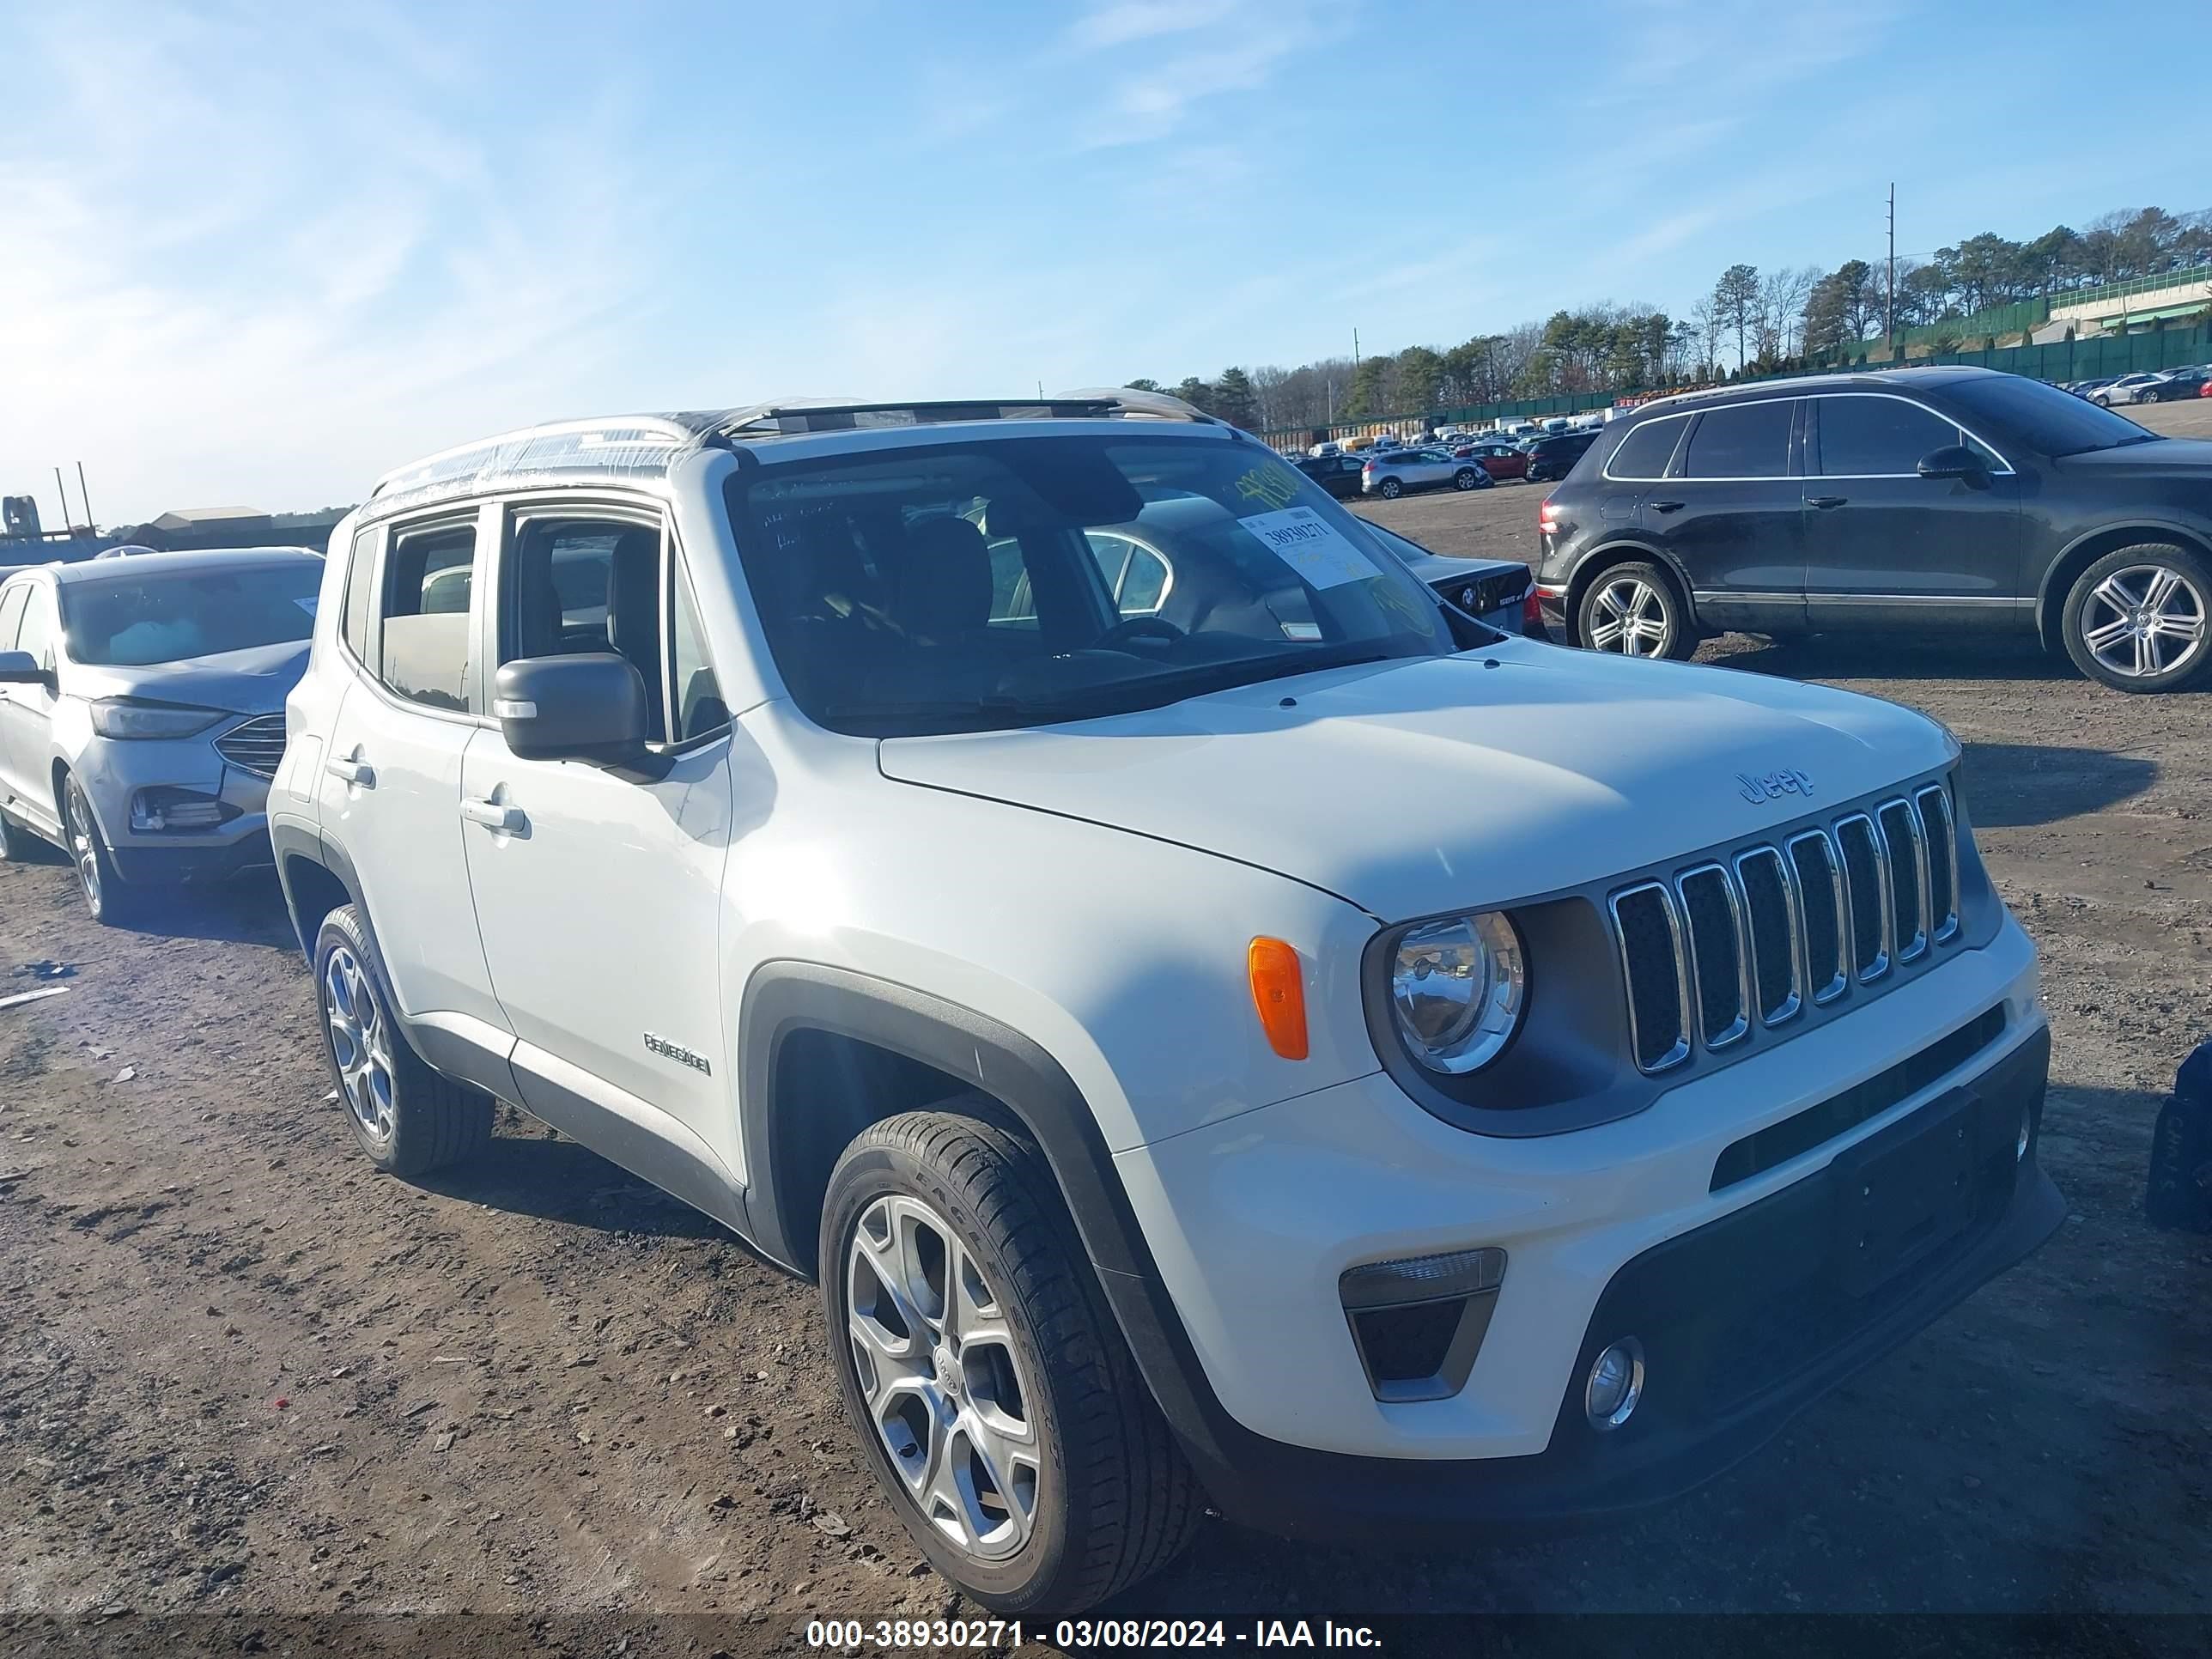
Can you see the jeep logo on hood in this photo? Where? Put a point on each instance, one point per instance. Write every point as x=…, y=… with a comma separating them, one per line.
x=1774, y=786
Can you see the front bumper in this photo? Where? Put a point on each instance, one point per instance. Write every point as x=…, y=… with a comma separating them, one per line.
x=1610, y=1232
x=114, y=772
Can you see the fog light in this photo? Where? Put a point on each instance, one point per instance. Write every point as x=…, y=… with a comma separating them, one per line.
x=166, y=807
x=1616, y=1384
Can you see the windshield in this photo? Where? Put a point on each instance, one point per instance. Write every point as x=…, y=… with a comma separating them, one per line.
x=155, y=616
x=2053, y=421
x=1011, y=581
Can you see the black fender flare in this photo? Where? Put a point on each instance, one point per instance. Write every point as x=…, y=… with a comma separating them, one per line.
x=1615, y=552
x=783, y=996
x=2047, y=589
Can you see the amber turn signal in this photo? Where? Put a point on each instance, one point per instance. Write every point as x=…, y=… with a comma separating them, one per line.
x=1279, y=991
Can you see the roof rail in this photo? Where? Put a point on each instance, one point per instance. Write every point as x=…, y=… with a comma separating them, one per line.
x=798, y=415
x=610, y=443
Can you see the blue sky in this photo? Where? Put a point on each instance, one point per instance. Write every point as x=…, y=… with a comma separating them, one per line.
x=261, y=254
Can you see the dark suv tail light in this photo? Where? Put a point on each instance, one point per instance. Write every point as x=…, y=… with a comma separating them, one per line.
x=1547, y=521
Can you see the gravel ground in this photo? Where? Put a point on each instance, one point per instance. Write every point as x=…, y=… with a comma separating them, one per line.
x=242, y=1374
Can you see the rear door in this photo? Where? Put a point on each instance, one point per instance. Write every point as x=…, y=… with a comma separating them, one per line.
x=1731, y=513
x=15, y=699
x=390, y=788
x=27, y=711
x=1885, y=547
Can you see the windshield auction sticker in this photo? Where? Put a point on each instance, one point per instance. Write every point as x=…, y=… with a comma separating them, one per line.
x=1303, y=540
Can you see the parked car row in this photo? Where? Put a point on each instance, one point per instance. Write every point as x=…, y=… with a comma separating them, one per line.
x=2164, y=387
x=1220, y=1027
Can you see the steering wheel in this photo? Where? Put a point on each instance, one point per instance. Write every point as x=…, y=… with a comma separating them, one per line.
x=1133, y=628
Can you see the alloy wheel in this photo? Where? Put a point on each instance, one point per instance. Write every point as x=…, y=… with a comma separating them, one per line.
x=83, y=846
x=1629, y=619
x=2145, y=620
x=936, y=1364
x=361, y=1042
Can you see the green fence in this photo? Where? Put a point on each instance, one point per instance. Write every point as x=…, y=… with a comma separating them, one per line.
x=2069, y=360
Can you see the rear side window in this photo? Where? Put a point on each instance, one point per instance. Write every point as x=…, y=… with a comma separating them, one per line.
x=1868, y=436
x=37, y=635
x=1746, y=441
x=428, y=594
x=358, y=622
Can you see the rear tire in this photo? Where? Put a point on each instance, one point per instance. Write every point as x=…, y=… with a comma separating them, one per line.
x=1635, y=609
x=1389, y=490
x=19, y=845
x=1464, y=478
x=982, y=1368
x=408, y=1118
x=2140, y=618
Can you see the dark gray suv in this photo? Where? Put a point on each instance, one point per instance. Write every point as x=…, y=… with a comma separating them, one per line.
x=1933, y=500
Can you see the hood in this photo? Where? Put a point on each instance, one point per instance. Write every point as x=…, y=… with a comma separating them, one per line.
x=2190, y=456
x=254, y=681
x=1419, y=787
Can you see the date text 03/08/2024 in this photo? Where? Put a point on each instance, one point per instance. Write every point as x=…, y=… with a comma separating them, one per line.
x=936, y=1635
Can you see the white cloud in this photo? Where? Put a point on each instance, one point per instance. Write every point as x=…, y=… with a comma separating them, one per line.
x=1125, y=20
x=275, y=294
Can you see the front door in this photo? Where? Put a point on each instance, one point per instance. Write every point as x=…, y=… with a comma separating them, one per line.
x=1731, y=513
x=601, y=896
x=391, y=792
x=1886, y=548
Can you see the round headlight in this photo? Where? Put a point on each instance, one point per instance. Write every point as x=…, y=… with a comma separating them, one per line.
x=1459, y=988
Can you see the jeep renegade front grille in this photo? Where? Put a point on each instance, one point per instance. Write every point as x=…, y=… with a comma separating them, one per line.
x=1725, y=946
x=257, y=746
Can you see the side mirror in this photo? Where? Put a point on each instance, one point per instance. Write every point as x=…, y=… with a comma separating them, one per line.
x=21, y=668
x=1953, y=461
x=588, y=708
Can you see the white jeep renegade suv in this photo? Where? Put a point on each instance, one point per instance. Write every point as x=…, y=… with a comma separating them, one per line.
x=1244, y=1030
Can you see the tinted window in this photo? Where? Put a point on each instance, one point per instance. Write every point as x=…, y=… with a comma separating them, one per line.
x=360, y=607
x=1746, y=440
x=173, y=615
x=1643, y=453
x=1862, y=435
x=428, y=587
x=700, y=710
x=11, y=613
x=2057, y=422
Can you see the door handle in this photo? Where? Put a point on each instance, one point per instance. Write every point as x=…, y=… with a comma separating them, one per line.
x=493, y=815
x=360, y=774
x=1826, y=501
x=1667, y=506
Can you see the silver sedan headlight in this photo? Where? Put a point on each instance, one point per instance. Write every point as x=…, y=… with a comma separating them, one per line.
x=1459, y=988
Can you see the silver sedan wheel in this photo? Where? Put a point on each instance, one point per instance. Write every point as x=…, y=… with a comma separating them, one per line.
x=83, y=853
x=2143, y=620
x=936, y=1365
x=1630, y=617
x=360, y=1042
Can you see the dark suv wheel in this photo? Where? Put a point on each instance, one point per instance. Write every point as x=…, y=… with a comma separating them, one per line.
x=1634, y=610
x=2140, y=619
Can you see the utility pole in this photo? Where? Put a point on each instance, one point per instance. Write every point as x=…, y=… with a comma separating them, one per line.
x=62, y=490
x=87, y=499
x=1355, y=353
x=1889, y=305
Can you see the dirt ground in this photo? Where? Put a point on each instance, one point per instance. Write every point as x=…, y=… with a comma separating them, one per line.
x=243, y=1376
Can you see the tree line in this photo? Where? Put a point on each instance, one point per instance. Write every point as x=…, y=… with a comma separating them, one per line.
x=1752, y=321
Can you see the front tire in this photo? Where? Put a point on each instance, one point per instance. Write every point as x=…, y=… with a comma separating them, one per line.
x=408, y=1118
x=113, y=901
x=980, y=1364
x=1635, y=609
x=2140, y=618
